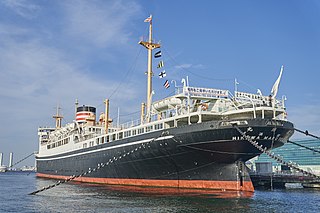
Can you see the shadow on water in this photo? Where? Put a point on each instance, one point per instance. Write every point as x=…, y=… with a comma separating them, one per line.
x=106, y=198
x=82, y=197
x=168, y=192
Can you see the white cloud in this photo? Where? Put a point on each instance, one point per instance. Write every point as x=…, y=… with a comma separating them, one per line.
x=36, y=74
x=100, y=23
x=305, y=117
x=199, y=66
x=23, y=8
x=7, y=31
x=183, y=66
x=33, y=79
x=189, y=66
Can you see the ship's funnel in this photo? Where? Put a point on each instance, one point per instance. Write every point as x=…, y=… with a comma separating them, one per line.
x=85, y=114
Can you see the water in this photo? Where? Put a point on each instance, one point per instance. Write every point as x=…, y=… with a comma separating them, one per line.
x=79, y=197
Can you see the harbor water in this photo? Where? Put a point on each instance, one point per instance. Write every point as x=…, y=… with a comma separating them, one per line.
x=80, y=197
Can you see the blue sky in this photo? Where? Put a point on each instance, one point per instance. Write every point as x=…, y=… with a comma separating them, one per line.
x=52, y=52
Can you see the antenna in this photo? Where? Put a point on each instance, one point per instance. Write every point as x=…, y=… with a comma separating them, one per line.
x=236, y=83
x=76, y=104
x=58, y=118
x=149, y=46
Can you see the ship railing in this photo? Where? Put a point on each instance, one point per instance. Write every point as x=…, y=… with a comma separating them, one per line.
x=181, y=110
x=241, y=101
x=201, y=92
x=257, y=99
x=130, y=124
x=253, y=102
x=169, y=113
x=250, y=104
x=154, y=117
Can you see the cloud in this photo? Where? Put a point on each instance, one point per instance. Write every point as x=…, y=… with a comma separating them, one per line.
x=23, y=8
x=183, y=66
x=188, y=66
x=199, y=66
x=7, y=31
x=33, y=73
x=33, y=79
x=37, y=72
x=102, y=23
x=305, y=117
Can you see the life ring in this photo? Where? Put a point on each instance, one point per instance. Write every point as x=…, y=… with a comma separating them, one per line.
x=204, y=106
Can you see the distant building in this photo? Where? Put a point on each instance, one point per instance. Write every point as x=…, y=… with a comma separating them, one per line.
x=1, y=158
x=304, y=158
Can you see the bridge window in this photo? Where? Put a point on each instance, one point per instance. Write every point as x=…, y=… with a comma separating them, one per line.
x=120, y=135
x=127, y=134
x=149, y=128
x=141, y=130
x=158, y=126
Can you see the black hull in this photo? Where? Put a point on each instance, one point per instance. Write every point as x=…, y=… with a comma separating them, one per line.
x=206, y=155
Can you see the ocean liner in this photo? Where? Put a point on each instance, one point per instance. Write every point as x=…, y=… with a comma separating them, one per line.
x=187, y=140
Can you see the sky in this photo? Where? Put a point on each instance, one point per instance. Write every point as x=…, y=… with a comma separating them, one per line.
x=54, y=52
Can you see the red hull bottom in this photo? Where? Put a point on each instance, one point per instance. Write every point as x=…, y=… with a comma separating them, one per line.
x=184, y=184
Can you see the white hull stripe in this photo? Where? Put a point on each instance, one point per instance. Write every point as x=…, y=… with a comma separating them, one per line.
x=106, y=148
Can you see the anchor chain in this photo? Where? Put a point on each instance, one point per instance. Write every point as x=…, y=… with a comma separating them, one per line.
x=99, y=166
x=272, y=155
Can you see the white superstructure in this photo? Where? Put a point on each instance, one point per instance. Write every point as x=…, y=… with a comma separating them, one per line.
x=188, y=105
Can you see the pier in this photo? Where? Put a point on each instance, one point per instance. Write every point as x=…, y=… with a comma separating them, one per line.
x=278, y=180
x=299, y=155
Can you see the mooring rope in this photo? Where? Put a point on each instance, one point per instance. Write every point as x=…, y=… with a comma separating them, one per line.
x=314, y=150
x=114, y=159
x=272, y=155
x=21, y=160
x=307, y=133
x=99, y=166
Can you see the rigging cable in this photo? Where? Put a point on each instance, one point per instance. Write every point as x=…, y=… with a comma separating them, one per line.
x=21, y=160
x=307, y=133
x=246, y=84
x=200, y=76
x=314, y=150
x=125, y=77
x=272, y=155
x=129, y=71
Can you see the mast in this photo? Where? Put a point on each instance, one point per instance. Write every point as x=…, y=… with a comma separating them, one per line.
x=150, y=46
x=58, y=118
x=106, y=116
x=76, y=104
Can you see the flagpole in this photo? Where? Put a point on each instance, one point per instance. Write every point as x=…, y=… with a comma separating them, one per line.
x=149, y=87
x=150, y=46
